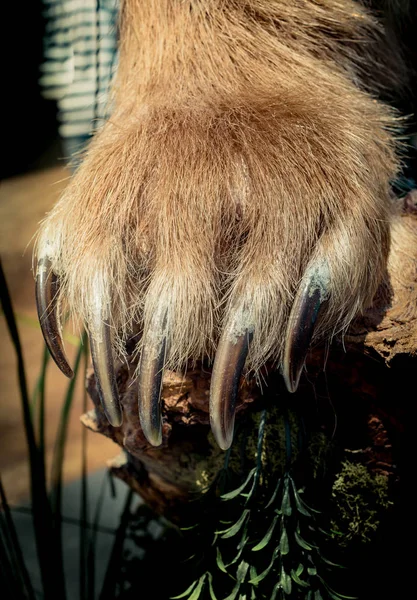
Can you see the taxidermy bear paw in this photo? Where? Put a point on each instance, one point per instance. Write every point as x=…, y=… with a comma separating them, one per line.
x=237, y=218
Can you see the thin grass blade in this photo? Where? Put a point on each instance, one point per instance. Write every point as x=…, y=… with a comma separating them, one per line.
x=83, y=553
x=58, y=459
x=53, y=587
x=12, y=556
x=108, y=590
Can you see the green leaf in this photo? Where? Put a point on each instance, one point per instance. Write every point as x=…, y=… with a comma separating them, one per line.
x=187, y=591
x=219, y=561
x=211, y=591
x=324, y=532
x=285, y=581
x=312, y=571
x=190, y=558
x=241, y=547
x=261, y=576
x=317, y=595
x=297, y=579
x=242, y=571
x=236, y=492
x=302, y=542
x=286, y=501
x=196, y=586
x=302, y=507
x=310, y=595
x=335, y=595
x=234, y=593
x=234, y=529
x=275, y=591
x=274, y=495
x=244, y=538
x=253, y=486
x=283, y=542
x=329, y=562
x=267, y=537
x=196, y=593
x=335, y=532
x=299, y=569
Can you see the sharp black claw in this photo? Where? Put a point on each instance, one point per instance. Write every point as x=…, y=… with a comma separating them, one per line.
x=47, y=288
x=312, y=295
x=101, y=353
x=151, y=371
x=230, y=359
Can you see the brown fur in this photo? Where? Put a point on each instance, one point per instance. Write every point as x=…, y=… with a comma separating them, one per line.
x=244, y=143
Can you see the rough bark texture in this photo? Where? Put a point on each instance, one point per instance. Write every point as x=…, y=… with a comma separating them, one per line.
x=357, y=391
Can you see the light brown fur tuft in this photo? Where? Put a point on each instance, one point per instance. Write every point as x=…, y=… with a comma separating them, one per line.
x=245, y=142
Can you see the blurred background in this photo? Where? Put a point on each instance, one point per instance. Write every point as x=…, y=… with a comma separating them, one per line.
x=34, y=171
x=54, y=47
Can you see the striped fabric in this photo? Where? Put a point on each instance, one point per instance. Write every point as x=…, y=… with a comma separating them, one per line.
x=80, y=55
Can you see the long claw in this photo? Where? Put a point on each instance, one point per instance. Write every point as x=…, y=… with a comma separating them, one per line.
x=230, y=359
x=150, y=379
x=47, y=288
x=313, y=293
x=101, y=353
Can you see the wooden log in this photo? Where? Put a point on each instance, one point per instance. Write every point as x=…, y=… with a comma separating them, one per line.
x=355, y=389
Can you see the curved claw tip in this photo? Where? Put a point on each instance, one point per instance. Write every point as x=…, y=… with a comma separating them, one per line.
x=47, y=290
x=101, y=354
x=150, y=386
x=302, y=322
x=152, y=434
x=227, y=370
